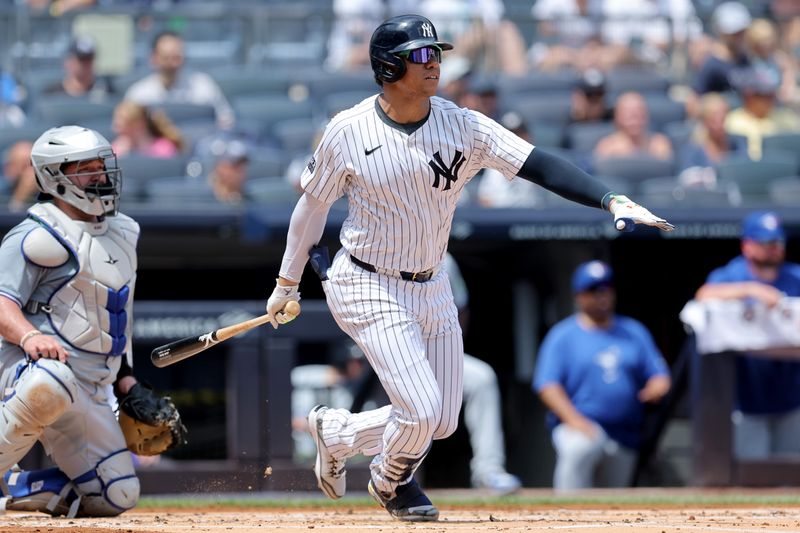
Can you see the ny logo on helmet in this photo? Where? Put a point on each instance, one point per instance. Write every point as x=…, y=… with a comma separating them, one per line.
x=449, y=173
x=427, y=29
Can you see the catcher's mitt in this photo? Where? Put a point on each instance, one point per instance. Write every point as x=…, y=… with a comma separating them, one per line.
x=151, y=423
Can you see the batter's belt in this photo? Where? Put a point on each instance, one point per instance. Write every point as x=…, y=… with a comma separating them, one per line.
x=419, y=277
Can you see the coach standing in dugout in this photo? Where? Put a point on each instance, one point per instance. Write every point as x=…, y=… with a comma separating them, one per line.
x=403, y=157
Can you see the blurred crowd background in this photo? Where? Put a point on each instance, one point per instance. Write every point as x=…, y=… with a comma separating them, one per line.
x=674, y=102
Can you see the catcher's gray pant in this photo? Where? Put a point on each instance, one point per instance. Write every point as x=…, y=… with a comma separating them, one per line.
x=483, y=418
x=410, y=335
x=583, y=463
x=78, y=429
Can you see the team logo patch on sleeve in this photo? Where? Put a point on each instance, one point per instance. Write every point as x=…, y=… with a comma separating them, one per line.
x=312, y=164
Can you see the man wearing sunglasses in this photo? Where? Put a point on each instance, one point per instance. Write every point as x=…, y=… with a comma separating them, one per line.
x=403, y=157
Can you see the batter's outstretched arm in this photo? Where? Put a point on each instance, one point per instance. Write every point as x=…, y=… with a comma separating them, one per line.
x=565, y=179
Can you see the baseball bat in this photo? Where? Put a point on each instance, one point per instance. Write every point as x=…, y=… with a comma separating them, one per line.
x=181, y=349
x=625, y=225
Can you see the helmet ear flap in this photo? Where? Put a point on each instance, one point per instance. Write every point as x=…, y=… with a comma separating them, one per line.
x=389, y=67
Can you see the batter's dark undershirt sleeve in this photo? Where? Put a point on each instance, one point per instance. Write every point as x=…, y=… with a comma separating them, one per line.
x=565, y=179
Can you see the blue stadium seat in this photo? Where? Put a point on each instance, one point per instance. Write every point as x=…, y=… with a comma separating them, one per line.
x=668, y=192
x=634, y=168
x=67, y=110
x=267, y=110
x=179, y=192
x=535, y=108
x=584, y=136
x=753, y=178
x=643, y=80
x=785, y=191
x=297, y=135
x=271, y=191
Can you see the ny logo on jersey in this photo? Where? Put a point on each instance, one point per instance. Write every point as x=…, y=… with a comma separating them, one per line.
x=450, y=173
x=427, y=30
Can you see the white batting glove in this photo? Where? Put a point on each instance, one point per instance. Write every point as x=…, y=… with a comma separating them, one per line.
x=627, y=213
x=281, y=295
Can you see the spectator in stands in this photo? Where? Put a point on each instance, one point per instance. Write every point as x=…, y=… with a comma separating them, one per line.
x=730, y=21
x=353, y=23
x=19, y=176
x=762, y=39
x=481, y=95
x=229, y=172
x=11, y=114
x=481, y=33
x=632, y=136
x=648, y=28
x=595, y=371
x=759, y=114
x=495, y=190
x=589, y=99
x=767, y=416
x=144, y=132
x=172, y=84
x=571, y=37
x=56, y=8
x=710, y=144
x=80, y=80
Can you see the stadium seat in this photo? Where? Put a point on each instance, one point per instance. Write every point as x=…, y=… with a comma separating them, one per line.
x=9, y=136
x=267, y=110
x=510, y=87
x=643, y=80
x=296, y=135
x=323, y=84
x=271, y=191
x=236, y=82
x=783, y=145
x=336, y=102
x=178, y=191
x=753, y=177
x=547, y=135
x=536, y=108
x=147, y=168
x=669, y=192
x=181, y=113
x=634, y=168
x=584, y=136
x=785, y=191
x=58, y=110
x=664, y=110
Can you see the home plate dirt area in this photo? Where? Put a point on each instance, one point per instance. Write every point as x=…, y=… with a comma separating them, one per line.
x=637, y=510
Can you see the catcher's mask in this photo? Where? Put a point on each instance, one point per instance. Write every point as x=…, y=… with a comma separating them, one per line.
x=397, y=37
x=52, y=154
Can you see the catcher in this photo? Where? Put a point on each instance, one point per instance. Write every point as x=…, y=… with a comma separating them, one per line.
x=67, y=276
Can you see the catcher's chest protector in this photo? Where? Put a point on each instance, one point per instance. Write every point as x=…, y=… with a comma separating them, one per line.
x=91, y=311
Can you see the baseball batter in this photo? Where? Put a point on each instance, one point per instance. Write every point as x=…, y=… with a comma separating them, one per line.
x=402, y=158
x=66, y=287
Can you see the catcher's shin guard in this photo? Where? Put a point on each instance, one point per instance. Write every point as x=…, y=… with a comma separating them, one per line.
x=111, y=488
x=41, y=395
x=48, y=491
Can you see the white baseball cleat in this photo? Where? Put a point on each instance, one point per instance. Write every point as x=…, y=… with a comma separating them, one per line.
x=330, y=472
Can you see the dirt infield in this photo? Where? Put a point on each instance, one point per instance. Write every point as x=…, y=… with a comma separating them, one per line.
x=586, y=517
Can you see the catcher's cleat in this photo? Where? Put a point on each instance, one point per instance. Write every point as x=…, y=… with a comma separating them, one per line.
x=409, y=504
x=330, y=472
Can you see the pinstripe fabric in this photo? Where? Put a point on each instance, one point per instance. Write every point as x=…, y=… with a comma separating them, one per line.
x=402, y=189
x=397, y=218
x=410, y=335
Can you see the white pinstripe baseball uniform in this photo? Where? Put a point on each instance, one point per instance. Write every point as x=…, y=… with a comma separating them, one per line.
x=402, y=184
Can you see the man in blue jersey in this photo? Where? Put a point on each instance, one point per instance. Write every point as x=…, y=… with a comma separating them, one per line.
x=595, y=372
x=767, y=413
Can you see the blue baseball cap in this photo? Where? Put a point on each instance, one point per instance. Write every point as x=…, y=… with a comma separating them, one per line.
x=763, y=226
x=590, y=275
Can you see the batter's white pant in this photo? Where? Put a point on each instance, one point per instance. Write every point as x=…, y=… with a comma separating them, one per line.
x=583, y=463
x=483, y=418
x=760, y=436
x=410, y=335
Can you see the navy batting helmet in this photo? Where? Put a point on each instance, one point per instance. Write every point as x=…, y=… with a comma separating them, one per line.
x=400, y=34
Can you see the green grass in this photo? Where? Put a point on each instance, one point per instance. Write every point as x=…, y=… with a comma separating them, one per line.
x=632, y=498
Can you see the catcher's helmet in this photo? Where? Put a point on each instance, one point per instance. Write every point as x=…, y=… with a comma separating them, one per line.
x=400, y=34
x=57, y=147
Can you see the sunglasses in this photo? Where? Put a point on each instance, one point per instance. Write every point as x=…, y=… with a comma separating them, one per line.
x=423, y=55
